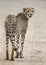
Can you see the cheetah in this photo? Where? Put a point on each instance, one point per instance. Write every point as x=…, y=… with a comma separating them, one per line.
x=16, y=25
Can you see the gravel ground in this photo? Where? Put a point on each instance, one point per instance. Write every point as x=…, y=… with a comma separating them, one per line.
x=35, y=41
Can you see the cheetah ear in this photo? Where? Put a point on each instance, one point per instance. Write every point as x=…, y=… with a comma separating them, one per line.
x=24, y=9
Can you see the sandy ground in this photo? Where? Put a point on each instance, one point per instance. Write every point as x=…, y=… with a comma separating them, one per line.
x=35, y=42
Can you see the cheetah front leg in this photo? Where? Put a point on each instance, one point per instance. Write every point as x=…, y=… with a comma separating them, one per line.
x=22, y=44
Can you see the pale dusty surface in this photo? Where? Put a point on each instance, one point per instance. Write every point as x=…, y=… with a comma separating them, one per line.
x=35, y=42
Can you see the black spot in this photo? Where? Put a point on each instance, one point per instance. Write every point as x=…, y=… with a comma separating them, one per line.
x=15, y=49
x=22, y=43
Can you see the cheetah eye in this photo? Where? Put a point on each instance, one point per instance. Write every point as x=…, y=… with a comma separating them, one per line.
x=32, y=11
x=28, y=11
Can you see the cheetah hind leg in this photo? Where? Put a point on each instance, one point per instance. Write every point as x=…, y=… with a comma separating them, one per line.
x=7, y=52
x=12, y=55
x=17, y=55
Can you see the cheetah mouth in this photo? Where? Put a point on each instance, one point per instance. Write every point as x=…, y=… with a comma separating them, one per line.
x=30, y=15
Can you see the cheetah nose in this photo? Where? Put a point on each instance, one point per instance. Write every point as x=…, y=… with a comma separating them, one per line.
x=30, y=14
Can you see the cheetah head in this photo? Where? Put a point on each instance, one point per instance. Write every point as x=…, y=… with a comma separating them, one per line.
x=28, y=12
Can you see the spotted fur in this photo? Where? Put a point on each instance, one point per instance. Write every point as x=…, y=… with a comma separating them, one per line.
x=17, y=25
